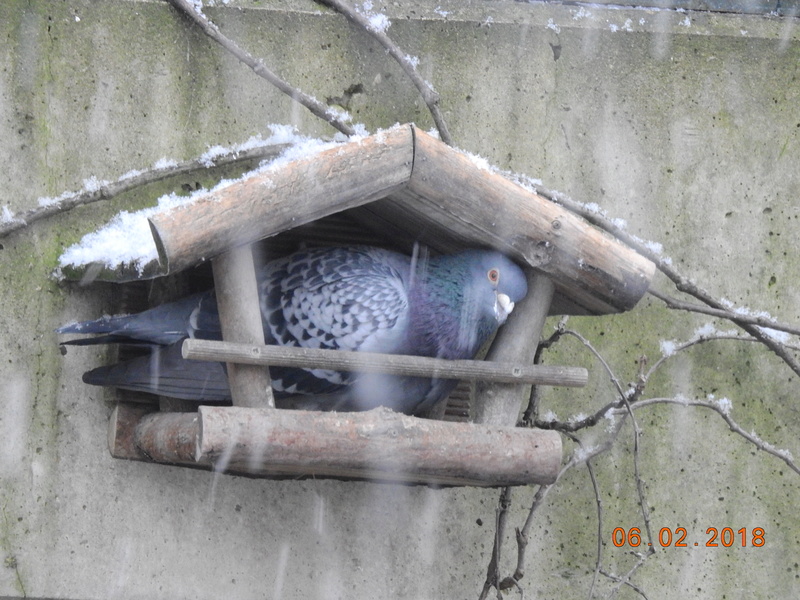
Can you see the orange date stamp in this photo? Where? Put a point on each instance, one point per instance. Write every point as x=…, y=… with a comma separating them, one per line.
x=675, y=537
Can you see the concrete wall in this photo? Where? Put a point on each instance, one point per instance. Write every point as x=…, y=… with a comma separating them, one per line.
x=686, y=125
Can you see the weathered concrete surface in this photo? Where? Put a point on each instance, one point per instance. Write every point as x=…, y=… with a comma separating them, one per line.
x=687, y=125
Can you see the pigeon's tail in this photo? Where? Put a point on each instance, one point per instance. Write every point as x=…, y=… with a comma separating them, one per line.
x=164, y=372
x=194, y=316
x=102, y=325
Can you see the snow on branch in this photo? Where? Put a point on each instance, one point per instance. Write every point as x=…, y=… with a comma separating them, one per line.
x=95, y=190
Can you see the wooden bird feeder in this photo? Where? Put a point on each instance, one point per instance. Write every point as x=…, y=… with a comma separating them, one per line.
x=408, y=188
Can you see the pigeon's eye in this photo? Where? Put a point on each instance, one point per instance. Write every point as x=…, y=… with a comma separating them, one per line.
x=493, y=275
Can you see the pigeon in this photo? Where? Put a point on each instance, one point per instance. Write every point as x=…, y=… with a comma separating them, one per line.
x=361, y=298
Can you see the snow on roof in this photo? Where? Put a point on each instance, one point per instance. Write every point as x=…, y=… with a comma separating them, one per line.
x=127, y=240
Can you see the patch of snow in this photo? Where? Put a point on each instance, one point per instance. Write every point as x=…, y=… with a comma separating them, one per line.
x=704, y=331
x=338, y=114
x=197, y=5
x=611, y=417
x=93, y=184
x=550, y=416
x=582, y=453
x=377, y=21
x=767, y=446
x=779, y=336
x=619, y=223
x=208, y=157
x=582, y=13
x=724, y=404
x=7, y=215
x=130, y=174
x=552, y=25
x=165, y=163
x=441, y=12
x=668, y=347
x=681, y=399
x=578, y=418
x=49, y=201
x=479, y=162
x=654, y=247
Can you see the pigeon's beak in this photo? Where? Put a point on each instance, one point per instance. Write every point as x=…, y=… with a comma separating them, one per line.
x=502, y=308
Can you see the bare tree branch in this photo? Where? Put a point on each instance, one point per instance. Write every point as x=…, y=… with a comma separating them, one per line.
x=751, y=437
x=493, y=571
x=109, y=190
x=682, y=283
x=316, y=107
x=725, y=314
x=429, y=95
x=625, y=579
x=702, y=339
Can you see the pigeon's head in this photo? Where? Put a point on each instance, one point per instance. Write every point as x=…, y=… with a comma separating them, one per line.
x=497, y=278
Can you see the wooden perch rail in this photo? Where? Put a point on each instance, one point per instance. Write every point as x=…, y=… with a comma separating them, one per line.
x=378, y=445
x=407, y=185
x=367, y=362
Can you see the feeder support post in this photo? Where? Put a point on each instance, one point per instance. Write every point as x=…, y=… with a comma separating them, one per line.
x=240, y=318
x=517, y=341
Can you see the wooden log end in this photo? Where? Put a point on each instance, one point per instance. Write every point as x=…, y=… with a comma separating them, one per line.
x=122, y=427
x=168, y=437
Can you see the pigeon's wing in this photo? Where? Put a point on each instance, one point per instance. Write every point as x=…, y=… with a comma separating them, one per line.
x=193, y=316
x=336, y=298
x=165, y=372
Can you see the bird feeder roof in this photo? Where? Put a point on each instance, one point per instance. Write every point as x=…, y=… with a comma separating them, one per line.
x=408, y=187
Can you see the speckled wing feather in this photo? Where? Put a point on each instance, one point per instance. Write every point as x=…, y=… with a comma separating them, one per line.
x=341, y=298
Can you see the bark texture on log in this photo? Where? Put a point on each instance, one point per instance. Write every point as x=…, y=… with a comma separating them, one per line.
x=376, y=445
x=413, y=188
x=278, y=199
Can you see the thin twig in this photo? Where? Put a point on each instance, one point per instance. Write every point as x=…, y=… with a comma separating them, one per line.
x=493, y=571
x=784, y=455
x=628, y=399
x=316, y=107
x=532, y=411
x=599, y=357
x=730, y=315
x=522, y=540
x=624, y=581
x=107, y=191
x=429, y=95
x=694, y=342
x=598, y=499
